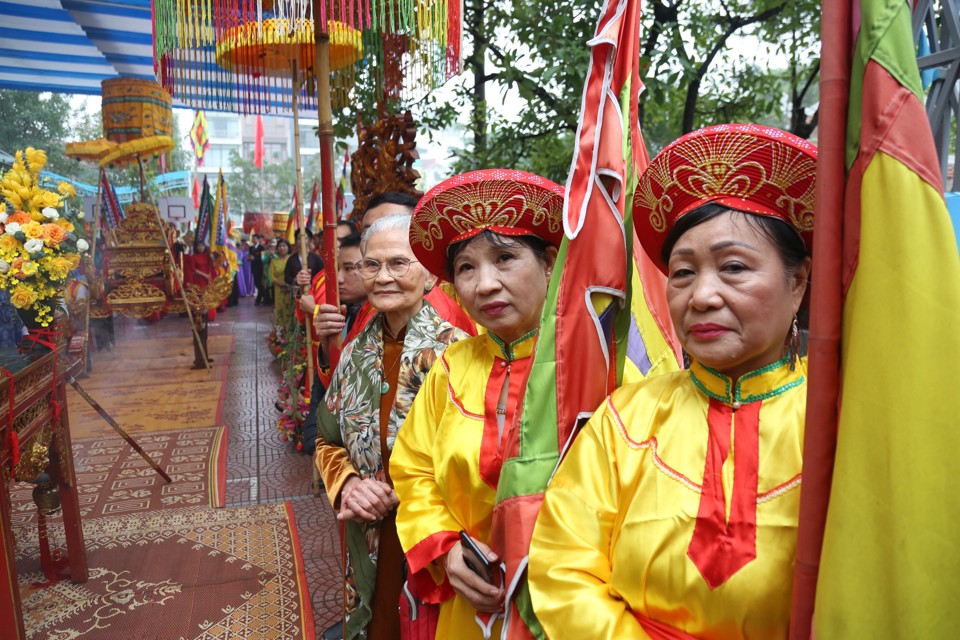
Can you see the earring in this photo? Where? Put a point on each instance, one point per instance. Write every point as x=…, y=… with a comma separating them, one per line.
x=794, y=343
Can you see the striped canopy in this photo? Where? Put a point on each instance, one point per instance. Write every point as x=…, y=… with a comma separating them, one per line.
x=70, y=46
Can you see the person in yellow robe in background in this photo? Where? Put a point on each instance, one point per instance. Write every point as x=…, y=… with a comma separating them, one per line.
x=675, y=513
x=494, y=234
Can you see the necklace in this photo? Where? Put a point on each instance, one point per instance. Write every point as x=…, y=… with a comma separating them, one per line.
x=384, y=385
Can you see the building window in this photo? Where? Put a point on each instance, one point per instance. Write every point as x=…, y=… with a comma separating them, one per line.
x=225, y=126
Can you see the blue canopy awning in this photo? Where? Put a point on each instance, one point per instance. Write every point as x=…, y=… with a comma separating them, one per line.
x=71, y=46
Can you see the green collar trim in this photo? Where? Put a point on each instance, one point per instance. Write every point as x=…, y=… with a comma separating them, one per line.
x=509, y=352
x=766, y=382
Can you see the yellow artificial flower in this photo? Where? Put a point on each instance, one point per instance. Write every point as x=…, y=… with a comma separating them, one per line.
x=29, y=268
x=23, y=297
x=8, y=243
x=49, y=199
x=32, y=229
x=13, y=197
x=3, y=207
x=74, y=259
x=66, y=224
x=66, y=189
x=37, y=159
x=59, y=268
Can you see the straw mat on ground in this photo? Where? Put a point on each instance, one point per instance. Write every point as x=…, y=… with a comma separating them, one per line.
x=147, y=385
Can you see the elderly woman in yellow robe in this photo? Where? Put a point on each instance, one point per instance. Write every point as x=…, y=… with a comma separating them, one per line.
x=494, y=234
x=675, y=513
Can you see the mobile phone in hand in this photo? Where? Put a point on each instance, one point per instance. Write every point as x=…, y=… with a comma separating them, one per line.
x=475, y=559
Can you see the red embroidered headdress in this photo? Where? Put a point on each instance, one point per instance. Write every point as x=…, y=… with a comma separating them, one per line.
x=506, y=201
x=747, y=167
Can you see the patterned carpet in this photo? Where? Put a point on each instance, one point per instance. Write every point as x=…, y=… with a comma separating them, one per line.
x=114, y=480
x=190, y=573
x=147, y=385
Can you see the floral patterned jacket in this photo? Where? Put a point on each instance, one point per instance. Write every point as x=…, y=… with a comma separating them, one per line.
x=352, y=421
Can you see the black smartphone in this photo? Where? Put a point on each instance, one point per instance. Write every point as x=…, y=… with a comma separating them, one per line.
x=475, y=559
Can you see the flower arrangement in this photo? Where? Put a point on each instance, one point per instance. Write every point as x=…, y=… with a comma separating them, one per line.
x=38, y=244
x=290, y=392
x=276, y=342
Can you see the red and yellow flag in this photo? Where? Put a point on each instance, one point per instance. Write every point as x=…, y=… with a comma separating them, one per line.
x=882, y=436
x=605, y=316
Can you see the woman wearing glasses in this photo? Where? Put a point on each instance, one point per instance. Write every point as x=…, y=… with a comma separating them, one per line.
x=371, y=390
x=494, y=234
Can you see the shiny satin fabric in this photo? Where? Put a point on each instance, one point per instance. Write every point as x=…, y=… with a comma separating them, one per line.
x=443, y=460
x=614, y=536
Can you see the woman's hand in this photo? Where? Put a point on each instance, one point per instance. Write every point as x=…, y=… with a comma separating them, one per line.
x=366, y=500
x=303, y=278
x=481, y=595
x=307, y=303
x=328, y=321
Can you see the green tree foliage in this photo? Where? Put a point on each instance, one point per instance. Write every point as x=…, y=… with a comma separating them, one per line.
x=38, y=120
x=247, y=191
x=702, y=61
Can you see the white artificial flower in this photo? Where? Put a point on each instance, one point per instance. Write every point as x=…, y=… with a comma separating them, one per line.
x=82, y=245
x=80, y=214
x=33, y=245
x=4, y=266
x=51, y=213
x=13, y=228
x=3, y=216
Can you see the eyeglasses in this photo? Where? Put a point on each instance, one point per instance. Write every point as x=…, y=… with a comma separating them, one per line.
x=396, y=267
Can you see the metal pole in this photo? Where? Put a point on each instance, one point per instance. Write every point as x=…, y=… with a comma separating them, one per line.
x=116, y=427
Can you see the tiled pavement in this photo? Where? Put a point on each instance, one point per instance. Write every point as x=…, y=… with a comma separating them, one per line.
x=261, y=467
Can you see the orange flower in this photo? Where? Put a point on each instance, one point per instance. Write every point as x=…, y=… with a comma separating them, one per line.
x=53, y=234
x=20, y=216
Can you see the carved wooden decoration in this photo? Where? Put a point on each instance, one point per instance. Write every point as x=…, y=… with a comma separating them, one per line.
x=384, y=159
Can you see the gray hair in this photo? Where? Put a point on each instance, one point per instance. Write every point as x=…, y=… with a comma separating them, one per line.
x=395, y=222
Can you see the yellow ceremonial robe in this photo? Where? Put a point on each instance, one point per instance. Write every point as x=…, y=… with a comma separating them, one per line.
x=677, y=483
x=446, y=463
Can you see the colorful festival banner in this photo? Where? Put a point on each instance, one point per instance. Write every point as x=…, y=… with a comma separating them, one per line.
x=881, y=435
x=200, y=137
x=341, y=198
x=598, y=300
x=110, y=203
x=204, y=214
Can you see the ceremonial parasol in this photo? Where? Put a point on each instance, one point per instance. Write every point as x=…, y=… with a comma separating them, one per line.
x=285, y=56
x=132, y=150
x=90, y=150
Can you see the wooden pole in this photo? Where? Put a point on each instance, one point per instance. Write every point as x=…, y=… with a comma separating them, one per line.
x=304, y=251
x=93, y=267
x=176, y=276
x=325, y=133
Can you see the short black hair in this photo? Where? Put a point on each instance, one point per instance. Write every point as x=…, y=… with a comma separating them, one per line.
x=392, y=197
x=535, y=243
x=348, y=223
x=283, y=241
x=296, y=234
x=352, y=240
